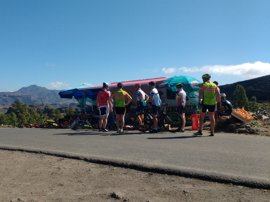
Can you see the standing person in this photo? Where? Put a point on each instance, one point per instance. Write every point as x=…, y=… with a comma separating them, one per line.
x=141, y=99
x=121, y=99
x=155, y=105
x=181, y=99
x=104, y=105
x=218, y=104
x=209, y=96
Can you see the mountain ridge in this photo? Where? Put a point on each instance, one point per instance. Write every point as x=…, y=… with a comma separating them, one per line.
x=32, y=95
x=258, y=87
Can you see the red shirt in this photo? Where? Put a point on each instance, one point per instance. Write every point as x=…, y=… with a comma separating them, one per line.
x=103, y=97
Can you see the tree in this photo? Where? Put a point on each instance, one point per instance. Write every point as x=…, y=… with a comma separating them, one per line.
x=240, y=96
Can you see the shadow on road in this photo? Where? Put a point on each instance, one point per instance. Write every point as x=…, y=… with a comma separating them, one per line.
x=93, y=133
x=82, y=133
x=178, y=137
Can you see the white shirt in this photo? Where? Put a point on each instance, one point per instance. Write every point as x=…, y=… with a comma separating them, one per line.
x=181, y=97
x=155, y=97
x=140, y=95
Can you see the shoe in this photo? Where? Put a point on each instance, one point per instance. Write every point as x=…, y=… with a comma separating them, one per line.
x=105, y=130
x=153, y=131
x=181, y=130
x=212, y=135
x=199, y=133
x=121, y=131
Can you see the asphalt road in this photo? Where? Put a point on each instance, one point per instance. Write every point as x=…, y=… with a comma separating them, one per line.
x=237, y=155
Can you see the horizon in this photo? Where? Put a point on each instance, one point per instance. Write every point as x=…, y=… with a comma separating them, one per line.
x=65, y=44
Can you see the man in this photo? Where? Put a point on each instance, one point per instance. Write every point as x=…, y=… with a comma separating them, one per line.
x=141, y=99
x=181, y=99
x=209, y=96
x=121, y=99
x=155, y=105
x=104, y=105
x=226, y=106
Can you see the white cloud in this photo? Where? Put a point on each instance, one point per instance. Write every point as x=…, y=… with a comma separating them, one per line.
x=248, y=70
x=169, y=70
x=58, y=85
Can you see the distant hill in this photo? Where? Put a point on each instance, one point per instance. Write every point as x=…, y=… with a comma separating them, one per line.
x=32, y=95
x=258, y=87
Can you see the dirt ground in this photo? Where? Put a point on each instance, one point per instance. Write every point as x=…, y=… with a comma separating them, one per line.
x=31, y=177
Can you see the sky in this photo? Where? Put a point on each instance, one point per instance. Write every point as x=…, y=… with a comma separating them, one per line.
x=62, y=44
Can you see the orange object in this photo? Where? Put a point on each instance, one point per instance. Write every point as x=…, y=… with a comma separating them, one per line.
x=195, y=119
x=242, y=115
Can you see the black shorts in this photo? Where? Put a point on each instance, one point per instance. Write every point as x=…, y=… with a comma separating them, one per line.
x=103, y=111
x=120, y=110
x=140, y=108
x=181, y=109
x=210, y=108
x=155, y=110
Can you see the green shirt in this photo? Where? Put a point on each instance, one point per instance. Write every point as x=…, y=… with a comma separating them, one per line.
x=120, y=98
x=209, y=90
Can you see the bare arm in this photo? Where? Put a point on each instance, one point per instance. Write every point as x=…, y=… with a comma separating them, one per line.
x=128, y=99
x=200, y=95
x=146, y=97
x=218, y=95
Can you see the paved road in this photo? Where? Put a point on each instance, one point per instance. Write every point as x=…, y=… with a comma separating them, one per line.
x=239, y=155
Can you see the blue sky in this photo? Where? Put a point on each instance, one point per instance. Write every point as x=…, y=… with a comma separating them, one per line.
x=65, y=43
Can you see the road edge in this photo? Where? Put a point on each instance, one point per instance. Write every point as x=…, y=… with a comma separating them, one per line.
x=147, y=167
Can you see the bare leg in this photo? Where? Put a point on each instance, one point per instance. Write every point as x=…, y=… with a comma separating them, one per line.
x=105, y=121
x=118, y=121
x=202, y=116
x=100, y=122
x=212, y=121
x=155, y=122
x=140, y=120
x=183, y=117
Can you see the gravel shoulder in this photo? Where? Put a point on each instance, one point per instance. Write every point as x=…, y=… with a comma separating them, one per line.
x=32, y=177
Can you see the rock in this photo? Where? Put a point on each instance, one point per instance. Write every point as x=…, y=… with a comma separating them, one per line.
x=116, y=195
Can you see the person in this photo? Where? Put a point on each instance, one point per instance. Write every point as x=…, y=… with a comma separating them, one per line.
x=155, y=105
x=226, y=107
x=209, y=96
x=181, y=99
x=104, y=105
x=121, y=99
x=215, y=82
x=218, y=104
x=141, y=102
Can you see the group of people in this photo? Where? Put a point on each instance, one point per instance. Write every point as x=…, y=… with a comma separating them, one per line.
x=117, y=101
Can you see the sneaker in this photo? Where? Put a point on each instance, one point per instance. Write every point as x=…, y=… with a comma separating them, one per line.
x=212, y=134
x=181, y=130
x=199, y=133
x=105, y=130
x=121, y=131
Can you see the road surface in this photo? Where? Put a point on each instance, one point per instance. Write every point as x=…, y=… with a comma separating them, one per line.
x=230, y=154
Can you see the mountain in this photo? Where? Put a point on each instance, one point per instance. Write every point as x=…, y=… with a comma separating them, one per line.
x=258, y=87
x=32, y=95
